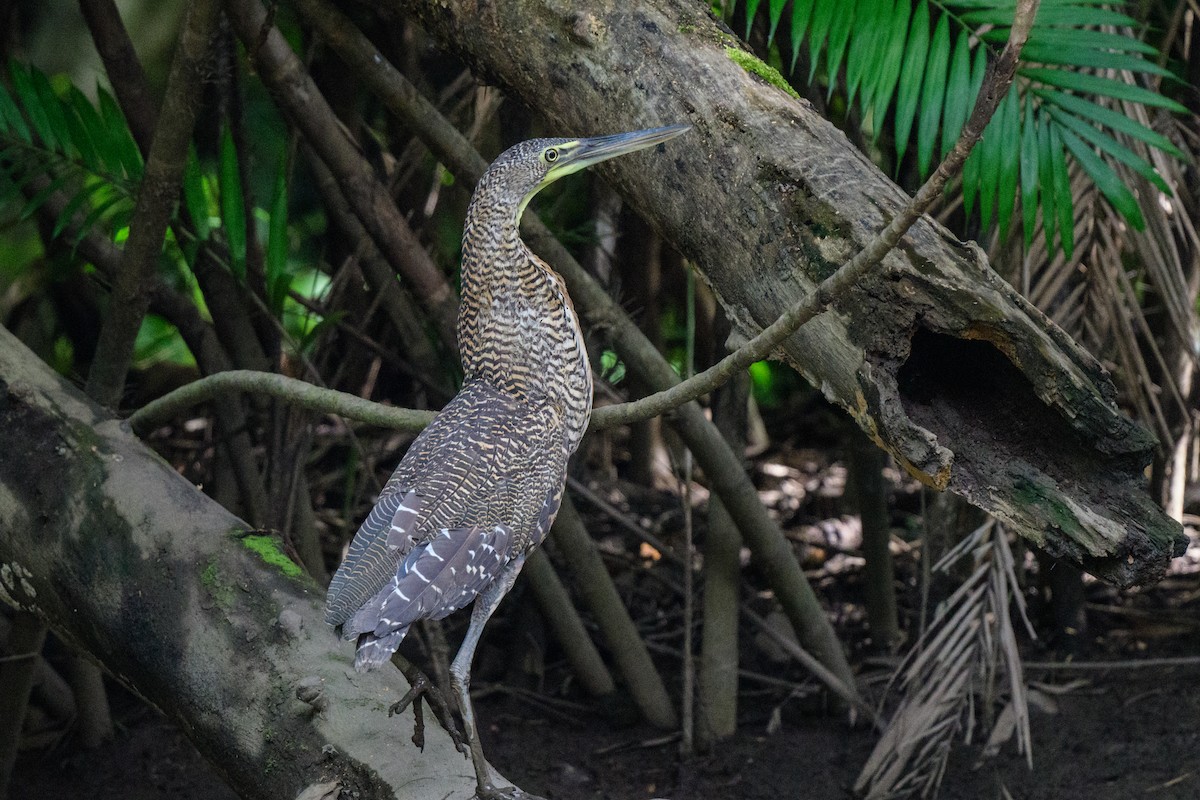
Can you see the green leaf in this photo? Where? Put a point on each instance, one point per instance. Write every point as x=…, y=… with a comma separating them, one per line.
x=11, y=119
x=1096, y=85
x=108, y=160
x=1110, y=147
x=751, y=12
x=958, y=92
x=1010, y=135
x=865, y=59
x=821, y=20
x=1106, y=179
x=801, y=14
x=970, y=179
x=839, y=35
x=82, y=197
x=1076, y=16
x=775, y=11
x=990, y=150
x=81, y=138
x=1046, y=181
x=1090, y=57
x=1029, y=171
x=278, y=279
x=1106, y=116
x=94, y=216
x=51, y=106
x=971, y=169
x=933, y=90
x=1076, y=37
x=1063, y=202
x=910, y=77
x=28, y=99
x=889, y=72
x=194, y=198
x=233, y=208
x=121, y=143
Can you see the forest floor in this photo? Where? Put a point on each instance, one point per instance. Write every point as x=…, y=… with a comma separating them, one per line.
x=1129, y=730
x=1114, y=735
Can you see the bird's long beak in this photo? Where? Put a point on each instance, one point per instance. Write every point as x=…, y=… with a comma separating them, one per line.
x=585, y=152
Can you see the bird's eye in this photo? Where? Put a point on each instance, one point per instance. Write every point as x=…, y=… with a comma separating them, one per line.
x=551, y=155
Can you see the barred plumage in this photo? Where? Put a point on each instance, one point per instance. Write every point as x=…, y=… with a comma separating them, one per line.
x=480, y=487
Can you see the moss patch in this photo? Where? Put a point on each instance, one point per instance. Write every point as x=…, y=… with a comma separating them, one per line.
x=220, y=590
x=756, y=66
x=268, y=550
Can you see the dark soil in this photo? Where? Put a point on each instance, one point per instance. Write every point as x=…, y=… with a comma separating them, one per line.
x=1116, y=734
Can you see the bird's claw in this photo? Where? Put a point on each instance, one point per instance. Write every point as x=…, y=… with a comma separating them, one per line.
x=422, y=687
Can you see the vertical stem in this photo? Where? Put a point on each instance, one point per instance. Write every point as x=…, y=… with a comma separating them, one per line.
x=155, y=204
x=866, y=483
x=688, y=702
x=16, y=677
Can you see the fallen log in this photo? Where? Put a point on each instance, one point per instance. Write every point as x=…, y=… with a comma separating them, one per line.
x=207, y=620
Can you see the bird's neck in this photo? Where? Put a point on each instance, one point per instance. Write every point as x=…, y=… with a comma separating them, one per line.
x=517, y=329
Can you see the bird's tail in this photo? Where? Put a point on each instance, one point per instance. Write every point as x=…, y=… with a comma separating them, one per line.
x=374, y=651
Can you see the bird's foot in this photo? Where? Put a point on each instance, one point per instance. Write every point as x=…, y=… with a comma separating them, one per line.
x=422, y=688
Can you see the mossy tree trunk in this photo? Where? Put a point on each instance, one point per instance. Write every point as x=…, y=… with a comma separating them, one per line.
x=125, y=559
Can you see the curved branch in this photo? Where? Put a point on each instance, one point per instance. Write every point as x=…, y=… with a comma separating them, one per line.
x=293, y=390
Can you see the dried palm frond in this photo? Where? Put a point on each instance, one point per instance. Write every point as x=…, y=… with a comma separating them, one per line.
x=952, y=676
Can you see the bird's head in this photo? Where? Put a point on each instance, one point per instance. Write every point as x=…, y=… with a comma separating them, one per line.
x=526, y=168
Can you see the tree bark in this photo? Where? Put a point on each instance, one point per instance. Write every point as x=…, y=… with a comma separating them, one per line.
x=124, y=558
x=943, y=364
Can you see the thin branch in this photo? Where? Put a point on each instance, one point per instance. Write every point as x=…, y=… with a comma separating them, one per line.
x=155, y=204
x=124, y=70
x=297, y=392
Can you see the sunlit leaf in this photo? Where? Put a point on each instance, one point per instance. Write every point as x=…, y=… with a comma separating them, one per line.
x=1029, y=171
x=839, y=35
x=1096, y=85
x=1064, y=203
x=751, y=12
x=958, y=93
x=801, y=14
x=910, y=77
x=1110, y=147
x=1010, y=126
x=1106, y=179
x=1107, y=117
x=889, y=72
x=1046, y=182
x=933, y=90
x=775, y=10
x=822, y=17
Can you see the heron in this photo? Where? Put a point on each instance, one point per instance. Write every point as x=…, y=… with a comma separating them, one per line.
x=479, y=488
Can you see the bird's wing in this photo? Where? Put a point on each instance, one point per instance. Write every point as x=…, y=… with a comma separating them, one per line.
x=453, y=478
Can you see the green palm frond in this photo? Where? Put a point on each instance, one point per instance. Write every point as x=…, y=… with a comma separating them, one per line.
x=922, y=63
x=58, y=141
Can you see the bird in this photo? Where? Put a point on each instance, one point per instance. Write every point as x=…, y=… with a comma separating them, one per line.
x=479, y=488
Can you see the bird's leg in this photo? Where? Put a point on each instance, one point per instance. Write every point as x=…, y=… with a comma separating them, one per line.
x=460, y=675
x=420, y=687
